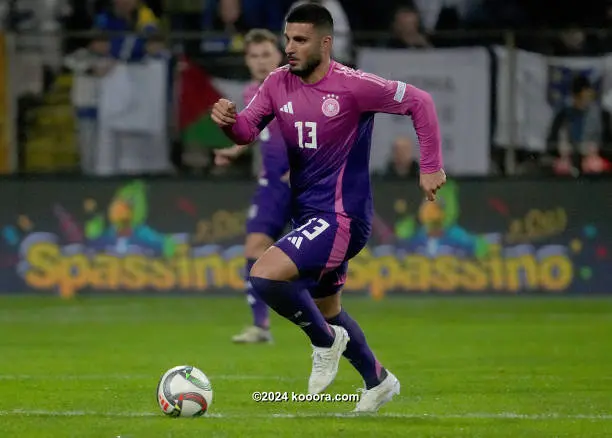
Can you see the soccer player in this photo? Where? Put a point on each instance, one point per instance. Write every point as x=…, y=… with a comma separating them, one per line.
x=328, y=134
x=269, y=213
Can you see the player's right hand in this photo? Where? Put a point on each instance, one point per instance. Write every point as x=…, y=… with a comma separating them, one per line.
x=224, y=113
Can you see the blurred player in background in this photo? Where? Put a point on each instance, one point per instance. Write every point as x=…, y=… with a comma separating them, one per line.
x=269, y=213
x=326, y=111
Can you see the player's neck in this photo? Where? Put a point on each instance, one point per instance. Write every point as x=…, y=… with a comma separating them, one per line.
x=319, y=73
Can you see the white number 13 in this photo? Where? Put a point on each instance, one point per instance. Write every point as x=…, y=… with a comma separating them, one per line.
x=311, y=128
x=316, y=230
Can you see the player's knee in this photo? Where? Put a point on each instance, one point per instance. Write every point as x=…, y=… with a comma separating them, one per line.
x=262, y=269
x=329, y=306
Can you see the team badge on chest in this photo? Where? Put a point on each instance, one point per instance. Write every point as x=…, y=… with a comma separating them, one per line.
x=331, y=106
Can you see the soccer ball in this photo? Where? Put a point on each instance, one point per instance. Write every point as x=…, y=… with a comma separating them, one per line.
x=184, y=391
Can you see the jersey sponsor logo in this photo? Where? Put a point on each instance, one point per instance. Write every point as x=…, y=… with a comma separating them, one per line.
x=331, y=106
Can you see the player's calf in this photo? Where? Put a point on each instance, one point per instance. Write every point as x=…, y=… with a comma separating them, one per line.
x=328, y=298
x=292, y=302
x=380, y=385
x=358, y=352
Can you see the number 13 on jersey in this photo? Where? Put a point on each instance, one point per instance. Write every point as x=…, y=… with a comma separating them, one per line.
x=308, y=130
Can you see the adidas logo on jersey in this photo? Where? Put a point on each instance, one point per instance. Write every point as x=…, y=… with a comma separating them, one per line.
x=287, y=108
x=297, y=241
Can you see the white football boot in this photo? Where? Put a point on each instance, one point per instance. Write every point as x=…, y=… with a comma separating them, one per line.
x=325, y=361
x=372, y=399
x=253, y=335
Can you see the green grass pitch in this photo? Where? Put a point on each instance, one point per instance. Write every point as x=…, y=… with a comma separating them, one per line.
x=469, y=367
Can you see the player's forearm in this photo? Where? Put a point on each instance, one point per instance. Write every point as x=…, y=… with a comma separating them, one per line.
x=427, y=128
x=241, y=132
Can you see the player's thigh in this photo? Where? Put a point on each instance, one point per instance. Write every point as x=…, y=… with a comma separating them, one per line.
x=274, y=264
x=256, y=244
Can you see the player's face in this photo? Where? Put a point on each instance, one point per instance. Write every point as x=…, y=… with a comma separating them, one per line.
x=262, y=59
x=305, y=47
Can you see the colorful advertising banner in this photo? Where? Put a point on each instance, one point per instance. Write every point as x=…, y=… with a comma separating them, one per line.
x=185, y=236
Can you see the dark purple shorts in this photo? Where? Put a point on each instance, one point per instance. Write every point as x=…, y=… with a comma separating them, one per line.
x=270, y=210
x=321, y=246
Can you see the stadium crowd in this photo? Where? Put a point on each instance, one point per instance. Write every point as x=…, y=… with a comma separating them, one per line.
x=579, y=134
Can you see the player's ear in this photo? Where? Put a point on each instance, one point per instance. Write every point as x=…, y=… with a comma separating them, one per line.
x=327, y=42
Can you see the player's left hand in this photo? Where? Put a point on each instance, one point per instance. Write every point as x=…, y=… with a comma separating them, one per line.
x=431, y=183
x=285, y=177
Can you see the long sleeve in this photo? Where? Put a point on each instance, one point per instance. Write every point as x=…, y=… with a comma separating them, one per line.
x=377, y=94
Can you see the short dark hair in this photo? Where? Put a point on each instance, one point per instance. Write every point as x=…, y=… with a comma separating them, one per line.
x=580, y=83
x=312, y=13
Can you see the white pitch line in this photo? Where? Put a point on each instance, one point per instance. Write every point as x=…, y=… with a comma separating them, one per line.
x=474, y=416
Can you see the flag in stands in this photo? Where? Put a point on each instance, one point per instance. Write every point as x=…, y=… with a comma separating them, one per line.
x=198, y=91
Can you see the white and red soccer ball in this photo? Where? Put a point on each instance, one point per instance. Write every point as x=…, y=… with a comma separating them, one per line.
x=184, y=391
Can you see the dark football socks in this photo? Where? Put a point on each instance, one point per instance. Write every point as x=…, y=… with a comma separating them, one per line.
x=358, y=352
x=293, y=302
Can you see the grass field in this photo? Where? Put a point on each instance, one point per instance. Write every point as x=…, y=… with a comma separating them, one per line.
x=469, y=367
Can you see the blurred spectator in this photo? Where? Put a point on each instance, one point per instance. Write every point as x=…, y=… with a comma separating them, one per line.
x=563, y=165
x=361, y=15
x=445, y=14
x=493, y=14
x=406, y=30
x=593, y=162
x=82, y=14
x=223, y=16
x=343, y=38
x=135, y=19
x=184, y=16
x=81, y=18
x=264, y=14
x=583, y=122
x=87, y=66
x=402, y=163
